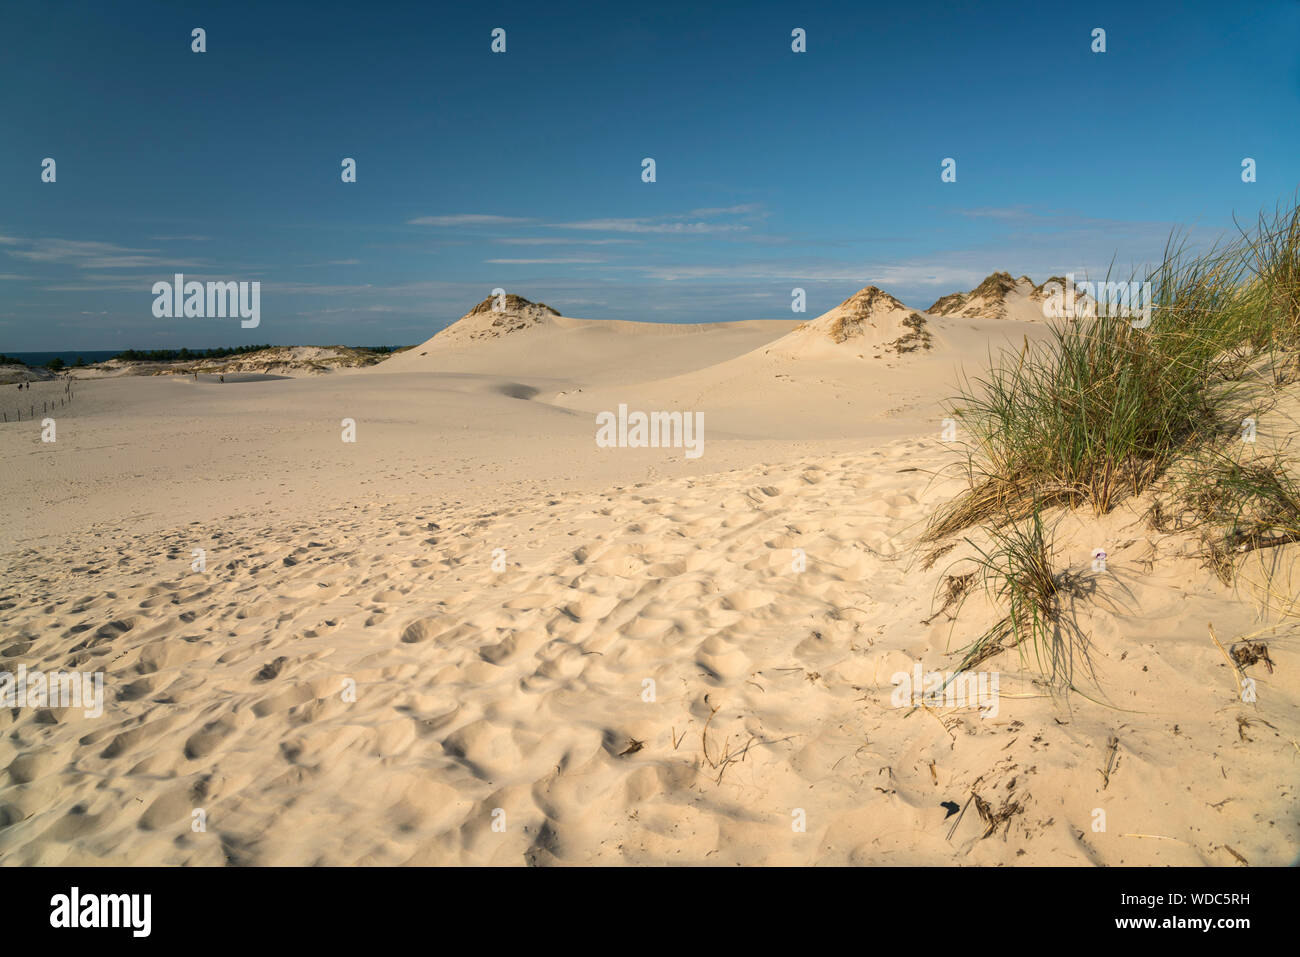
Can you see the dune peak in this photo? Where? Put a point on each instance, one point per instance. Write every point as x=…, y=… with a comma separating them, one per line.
x=866, y=309
x=988, y=300
x=871, y=320
x=511, y=304
x=497, y=316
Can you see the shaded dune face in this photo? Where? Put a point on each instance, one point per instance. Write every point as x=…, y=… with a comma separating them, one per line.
x=517, y=390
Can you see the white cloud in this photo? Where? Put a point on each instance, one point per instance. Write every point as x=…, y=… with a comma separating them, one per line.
x=861, y=274
x=651, y=226
x=558, y=241
x=991, y=212
x=465, y=219
x=742, y=210
x=88, y=254
x=542, y=262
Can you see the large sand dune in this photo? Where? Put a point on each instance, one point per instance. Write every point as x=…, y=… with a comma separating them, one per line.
x=500, y=591
x=524, y=341
x=869, y=367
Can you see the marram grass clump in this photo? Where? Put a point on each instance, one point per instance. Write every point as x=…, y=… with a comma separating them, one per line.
x=1101, y=409
x=1106, y=407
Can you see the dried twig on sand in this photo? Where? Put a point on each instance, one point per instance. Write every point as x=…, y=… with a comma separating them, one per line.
x=1112, y=753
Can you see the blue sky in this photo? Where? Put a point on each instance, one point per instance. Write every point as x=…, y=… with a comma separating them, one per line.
x=522, y=170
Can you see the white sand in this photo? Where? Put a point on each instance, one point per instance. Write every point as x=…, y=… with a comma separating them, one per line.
x=524, y=689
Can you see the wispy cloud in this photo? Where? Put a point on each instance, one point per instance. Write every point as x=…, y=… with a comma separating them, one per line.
x=745, y=209
x=999, y=212
x=466, y=219
x=543, y=262
x=859, y=274
x=562, y=241
x=698, y=222
x=88, y=254
x=678, y=228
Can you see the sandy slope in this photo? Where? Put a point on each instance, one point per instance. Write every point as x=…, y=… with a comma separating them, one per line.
x=523, y=689
x=575, y=352
x=806, y=384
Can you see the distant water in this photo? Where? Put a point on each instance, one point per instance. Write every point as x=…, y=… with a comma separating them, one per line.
x=69, y=358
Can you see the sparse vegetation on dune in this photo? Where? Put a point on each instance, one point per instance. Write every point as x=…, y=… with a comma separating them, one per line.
x=1016, y=570
x=1104, y=411
x=1237, y=503
x=1273, y=295
x=251, y=358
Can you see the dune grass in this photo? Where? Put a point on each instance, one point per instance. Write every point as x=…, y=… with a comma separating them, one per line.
x=1239, y=505
x=1106, y=407
x=1016, y=570
x=1101, y=409
x=1272, y=254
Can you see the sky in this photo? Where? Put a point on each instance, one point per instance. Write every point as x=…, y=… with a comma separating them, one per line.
x=522, y=170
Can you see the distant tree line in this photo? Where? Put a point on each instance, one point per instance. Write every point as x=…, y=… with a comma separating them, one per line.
x=165, y=355
x=54, y=364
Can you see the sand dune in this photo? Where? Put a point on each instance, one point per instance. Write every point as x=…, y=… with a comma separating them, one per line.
x=869, y=367
x=531, y=341
x=870, y=321
x=473, y=637
x=998, y=297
